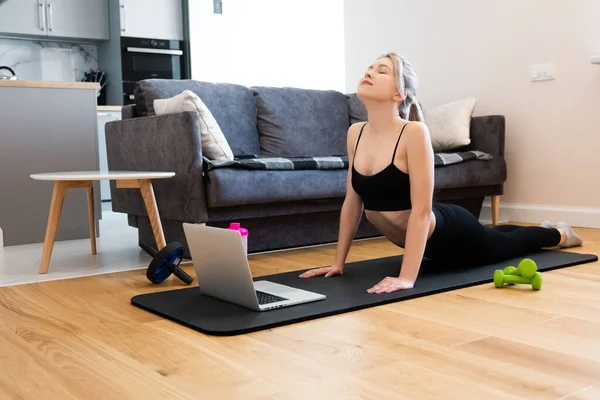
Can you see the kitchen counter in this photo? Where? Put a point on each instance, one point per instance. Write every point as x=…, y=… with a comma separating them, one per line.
x=45, y=127
x=109, y=108
x=49, y=84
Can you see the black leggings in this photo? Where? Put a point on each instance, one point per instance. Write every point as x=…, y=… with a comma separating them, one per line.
x=460, y=237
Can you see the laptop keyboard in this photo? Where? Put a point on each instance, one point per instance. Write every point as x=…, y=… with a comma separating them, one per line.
x=266, y=298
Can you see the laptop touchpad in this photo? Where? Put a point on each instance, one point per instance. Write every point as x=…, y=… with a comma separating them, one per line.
x=279, y=289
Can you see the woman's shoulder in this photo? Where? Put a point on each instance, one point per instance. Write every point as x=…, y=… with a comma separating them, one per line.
x=414, y=125
x=416, y=129
x=357, y=126
x=355, y=129
x=352, y=135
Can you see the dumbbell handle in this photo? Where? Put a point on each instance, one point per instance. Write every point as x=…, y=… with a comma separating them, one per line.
x=516, y=279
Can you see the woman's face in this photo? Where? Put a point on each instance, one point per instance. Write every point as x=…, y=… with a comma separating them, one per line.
x=379, y=82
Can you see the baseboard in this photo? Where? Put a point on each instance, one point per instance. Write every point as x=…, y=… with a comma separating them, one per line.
x=536, y=214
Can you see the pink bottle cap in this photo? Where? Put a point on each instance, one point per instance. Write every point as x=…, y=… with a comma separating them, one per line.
x=235, y=226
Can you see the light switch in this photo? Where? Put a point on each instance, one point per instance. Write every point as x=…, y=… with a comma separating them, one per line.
x=542, y=72
x=218, y=6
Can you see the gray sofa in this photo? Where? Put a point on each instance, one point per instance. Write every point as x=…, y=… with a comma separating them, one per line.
x=281, y=208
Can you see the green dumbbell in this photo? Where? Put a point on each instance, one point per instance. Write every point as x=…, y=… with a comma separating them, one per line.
x=527, y=268
x=510, y=270
x=500, y=278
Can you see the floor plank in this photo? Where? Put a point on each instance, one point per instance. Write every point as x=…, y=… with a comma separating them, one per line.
x=81, y=338
x=555, y=364
x=453, y=362
x=590, y=393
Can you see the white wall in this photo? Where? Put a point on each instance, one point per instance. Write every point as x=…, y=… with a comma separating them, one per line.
x=485, y=49
x=269, y=42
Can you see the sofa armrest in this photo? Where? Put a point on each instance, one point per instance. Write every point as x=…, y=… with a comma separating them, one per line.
x=487, y=134
x=169, y=143
x=129, y=111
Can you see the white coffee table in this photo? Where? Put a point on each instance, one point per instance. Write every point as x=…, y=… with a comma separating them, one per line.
x=84, y=179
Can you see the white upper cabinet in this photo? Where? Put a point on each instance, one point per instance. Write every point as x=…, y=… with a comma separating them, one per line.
x=74, y=19
x=84, y=19
x=155, y=19
x=23, y=17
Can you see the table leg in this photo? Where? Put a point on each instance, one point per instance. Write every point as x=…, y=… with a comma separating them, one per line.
x=495, y=210
x=90, y=201
x=58, y=197
x=152, y=208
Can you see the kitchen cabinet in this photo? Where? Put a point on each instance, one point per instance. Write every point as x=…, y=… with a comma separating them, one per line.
x=103, y=118
x=23, y=17
x=74, y=19
x=156, y=19
x=83, y=19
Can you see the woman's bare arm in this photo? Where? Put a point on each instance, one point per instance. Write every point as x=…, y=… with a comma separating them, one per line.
x=350, y=216
x=419, y=154
x=352, y=209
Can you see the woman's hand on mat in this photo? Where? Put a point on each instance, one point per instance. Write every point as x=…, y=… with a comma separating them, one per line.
x=327, y=271
x=391, y=284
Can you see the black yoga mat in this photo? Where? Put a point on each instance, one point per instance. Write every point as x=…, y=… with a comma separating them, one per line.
x=344, y=293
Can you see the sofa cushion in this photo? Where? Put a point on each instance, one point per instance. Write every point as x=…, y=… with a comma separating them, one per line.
x=232, y=106
x=471, y=173
x=214, y=144
x=231, y=186
x=356, y=109
x=450, y=124
x=295, y=122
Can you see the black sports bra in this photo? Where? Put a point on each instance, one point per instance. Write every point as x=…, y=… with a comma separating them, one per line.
x=387, y=190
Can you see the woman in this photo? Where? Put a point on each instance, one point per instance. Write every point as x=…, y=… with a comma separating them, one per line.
x=391, y=177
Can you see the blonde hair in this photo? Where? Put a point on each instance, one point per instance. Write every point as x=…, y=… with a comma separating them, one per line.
x=406, y=80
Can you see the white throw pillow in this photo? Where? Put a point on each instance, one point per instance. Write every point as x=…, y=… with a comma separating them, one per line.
x=214, y=143
x=450, y=124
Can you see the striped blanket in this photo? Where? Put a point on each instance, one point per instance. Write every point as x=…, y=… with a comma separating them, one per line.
x=332, y=162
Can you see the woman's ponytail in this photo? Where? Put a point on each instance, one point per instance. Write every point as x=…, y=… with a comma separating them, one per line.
x=415, y=113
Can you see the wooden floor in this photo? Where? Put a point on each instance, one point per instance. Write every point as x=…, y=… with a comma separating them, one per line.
x=81, y=339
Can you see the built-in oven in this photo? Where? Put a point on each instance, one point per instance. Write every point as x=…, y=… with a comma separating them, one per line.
x=144, y=58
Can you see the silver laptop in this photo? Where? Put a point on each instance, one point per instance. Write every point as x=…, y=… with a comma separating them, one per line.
x=222, y=271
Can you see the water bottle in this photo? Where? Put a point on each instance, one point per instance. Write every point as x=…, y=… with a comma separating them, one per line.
x=235, y=226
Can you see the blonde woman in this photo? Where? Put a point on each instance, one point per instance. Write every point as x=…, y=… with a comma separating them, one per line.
x=391, y=178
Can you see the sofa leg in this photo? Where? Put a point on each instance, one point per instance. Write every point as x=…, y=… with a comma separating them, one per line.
x=495, y=209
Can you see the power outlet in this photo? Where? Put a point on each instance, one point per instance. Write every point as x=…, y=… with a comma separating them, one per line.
x=542, y=72
x=218, y=6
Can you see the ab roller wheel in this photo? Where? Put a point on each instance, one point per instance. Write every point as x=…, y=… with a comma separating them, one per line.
x=166, y=262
